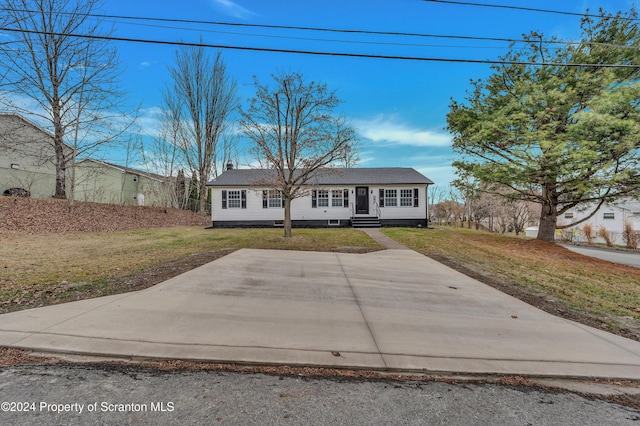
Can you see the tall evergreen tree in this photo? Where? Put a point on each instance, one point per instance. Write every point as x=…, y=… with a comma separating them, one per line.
x=563, y=132
x=180, y=189
x=194, y=193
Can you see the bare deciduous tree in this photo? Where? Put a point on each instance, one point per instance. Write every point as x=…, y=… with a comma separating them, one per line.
x=199, y=103
x=296, y=133
x=70, y=82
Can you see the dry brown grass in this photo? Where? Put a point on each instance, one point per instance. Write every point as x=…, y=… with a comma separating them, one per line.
x=581, y=282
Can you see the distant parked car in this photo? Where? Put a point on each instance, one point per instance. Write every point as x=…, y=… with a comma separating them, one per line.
x=17, y=192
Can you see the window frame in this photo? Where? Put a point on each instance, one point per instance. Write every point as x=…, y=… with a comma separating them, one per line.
x=390, y=200
x=407, y=199
x=399, y=197
x=231, y=200
x=274, y=199
x=225, y=198
x=322, y=196
x=339, y=198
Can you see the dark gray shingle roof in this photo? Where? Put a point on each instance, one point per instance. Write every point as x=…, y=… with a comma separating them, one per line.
x=351, y=176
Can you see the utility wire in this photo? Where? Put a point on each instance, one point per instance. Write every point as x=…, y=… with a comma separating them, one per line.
x=321, y=29
x=526, y=9
x=319, y=53
x=281, y=27
x=374, y=43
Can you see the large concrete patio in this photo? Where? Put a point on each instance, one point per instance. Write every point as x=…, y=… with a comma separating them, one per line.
x=388, y=310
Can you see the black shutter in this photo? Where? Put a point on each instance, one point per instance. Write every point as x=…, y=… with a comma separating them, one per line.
x=244, y=199
x=416, y=197
x=281, y=199
x=265, y=199
x=314, y=201
x=345, y=197
x=224, y=199
x=381, y=201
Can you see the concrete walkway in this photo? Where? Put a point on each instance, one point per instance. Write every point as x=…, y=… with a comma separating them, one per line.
x=382, y=239
x=389, y=310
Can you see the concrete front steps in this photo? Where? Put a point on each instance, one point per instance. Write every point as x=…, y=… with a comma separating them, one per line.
x=366, y=222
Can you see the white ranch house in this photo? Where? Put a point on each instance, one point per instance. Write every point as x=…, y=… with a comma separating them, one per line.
x=333, y=197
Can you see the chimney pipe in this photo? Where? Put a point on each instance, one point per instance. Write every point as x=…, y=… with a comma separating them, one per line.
x=229, y=165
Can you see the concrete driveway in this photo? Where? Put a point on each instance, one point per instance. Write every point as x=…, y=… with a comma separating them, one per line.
x=391, y=310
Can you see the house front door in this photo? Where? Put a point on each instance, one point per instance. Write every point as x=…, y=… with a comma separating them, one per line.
x=362, y=200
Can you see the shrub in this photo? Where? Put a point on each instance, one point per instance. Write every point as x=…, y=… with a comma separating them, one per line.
x=587, y=231
x=605, y=235
x=630, y=236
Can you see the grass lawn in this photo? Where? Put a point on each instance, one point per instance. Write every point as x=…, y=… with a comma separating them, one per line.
x=581, y=283
x=39, y=269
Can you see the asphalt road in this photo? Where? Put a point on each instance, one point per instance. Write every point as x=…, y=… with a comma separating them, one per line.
x=55, y=394
x=617, y=256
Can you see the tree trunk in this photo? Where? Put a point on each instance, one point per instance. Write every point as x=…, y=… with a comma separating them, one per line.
x=548, y=214
x=61, y=173
x=287, y=217
x=60, y=160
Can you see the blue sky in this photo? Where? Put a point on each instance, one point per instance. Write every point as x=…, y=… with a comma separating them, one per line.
x=398, y=107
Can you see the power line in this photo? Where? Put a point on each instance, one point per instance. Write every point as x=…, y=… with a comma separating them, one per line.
x=526, y=9
x=280, y=27
x=320, y=29
x=317, y=53
x=373, y=43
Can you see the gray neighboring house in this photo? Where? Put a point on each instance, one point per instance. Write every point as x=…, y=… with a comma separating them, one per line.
x=102, y=182
x=374, y=197
x=27, y=156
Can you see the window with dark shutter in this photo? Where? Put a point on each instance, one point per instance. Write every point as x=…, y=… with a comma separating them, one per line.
x=224, y=199
x=381, y=197
x=416, y=197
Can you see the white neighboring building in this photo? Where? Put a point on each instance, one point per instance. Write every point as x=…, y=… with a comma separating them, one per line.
x=612, y=217
x=390, y=196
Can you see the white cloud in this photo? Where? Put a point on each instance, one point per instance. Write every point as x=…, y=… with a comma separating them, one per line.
x=149, y=121
x=388, y=130
x=25, y=105
x=233, y=9
x=144, y=64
